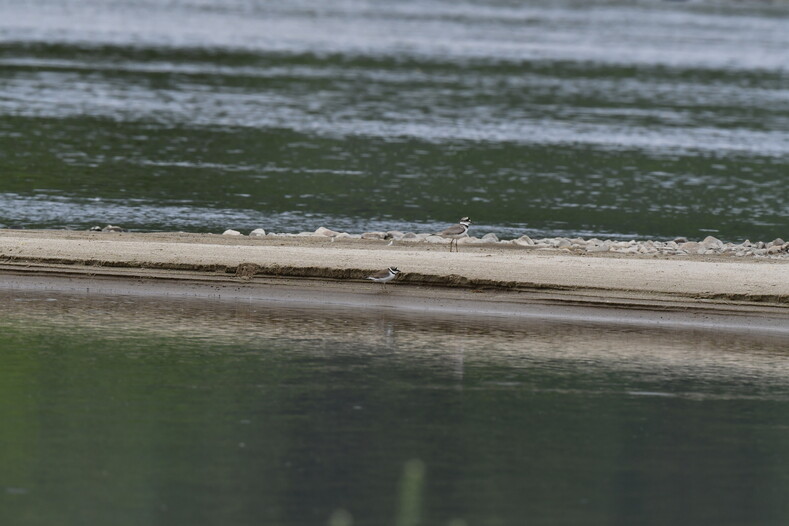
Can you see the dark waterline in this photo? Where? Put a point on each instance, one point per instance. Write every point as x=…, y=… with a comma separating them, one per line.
x=574, y=118
x=131, y=410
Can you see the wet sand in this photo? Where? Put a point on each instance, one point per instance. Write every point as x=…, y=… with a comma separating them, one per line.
x=488, y=279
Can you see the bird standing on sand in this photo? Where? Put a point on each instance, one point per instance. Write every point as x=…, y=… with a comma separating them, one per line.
x=384, y=276
x=455, y=232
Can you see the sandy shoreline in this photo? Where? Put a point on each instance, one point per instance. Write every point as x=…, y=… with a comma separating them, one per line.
x=479, y=277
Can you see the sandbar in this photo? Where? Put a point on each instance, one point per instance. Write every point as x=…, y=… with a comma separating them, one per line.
x=489, y=279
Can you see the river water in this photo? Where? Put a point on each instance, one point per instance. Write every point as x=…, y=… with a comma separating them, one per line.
x=130, y=411
x=619, y=119
x=613, y=119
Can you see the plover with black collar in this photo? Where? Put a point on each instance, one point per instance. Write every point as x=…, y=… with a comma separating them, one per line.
x=455, y=232
x=384, y=276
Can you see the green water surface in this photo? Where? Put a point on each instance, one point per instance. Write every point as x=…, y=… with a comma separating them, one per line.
x=141, y=411
x=599, y=118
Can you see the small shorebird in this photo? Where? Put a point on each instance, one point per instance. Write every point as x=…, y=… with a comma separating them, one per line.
x=455, y=232
x=384, y=276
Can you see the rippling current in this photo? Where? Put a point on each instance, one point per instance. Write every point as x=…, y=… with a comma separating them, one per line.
x=620, y=119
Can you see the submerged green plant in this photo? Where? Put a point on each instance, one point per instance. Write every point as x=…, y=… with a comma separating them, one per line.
x=341, y=517
x=411, y=493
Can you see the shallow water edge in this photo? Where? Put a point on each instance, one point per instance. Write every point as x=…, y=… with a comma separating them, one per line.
x=430, y=304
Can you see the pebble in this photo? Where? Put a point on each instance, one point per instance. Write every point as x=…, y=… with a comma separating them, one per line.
x=712, y=243
x=230, y=232
x=524, y=240
x=690, y=247
x=257, y=232
x=323, y=231
x=597, y=247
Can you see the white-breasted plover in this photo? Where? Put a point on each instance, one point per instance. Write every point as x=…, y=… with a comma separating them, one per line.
x=384, y=276
x=455, y=232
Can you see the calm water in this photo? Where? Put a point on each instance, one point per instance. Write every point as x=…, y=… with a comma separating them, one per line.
x=131, y=411
x=648, y=119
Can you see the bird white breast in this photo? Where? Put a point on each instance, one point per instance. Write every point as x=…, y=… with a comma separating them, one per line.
x=384, y=279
